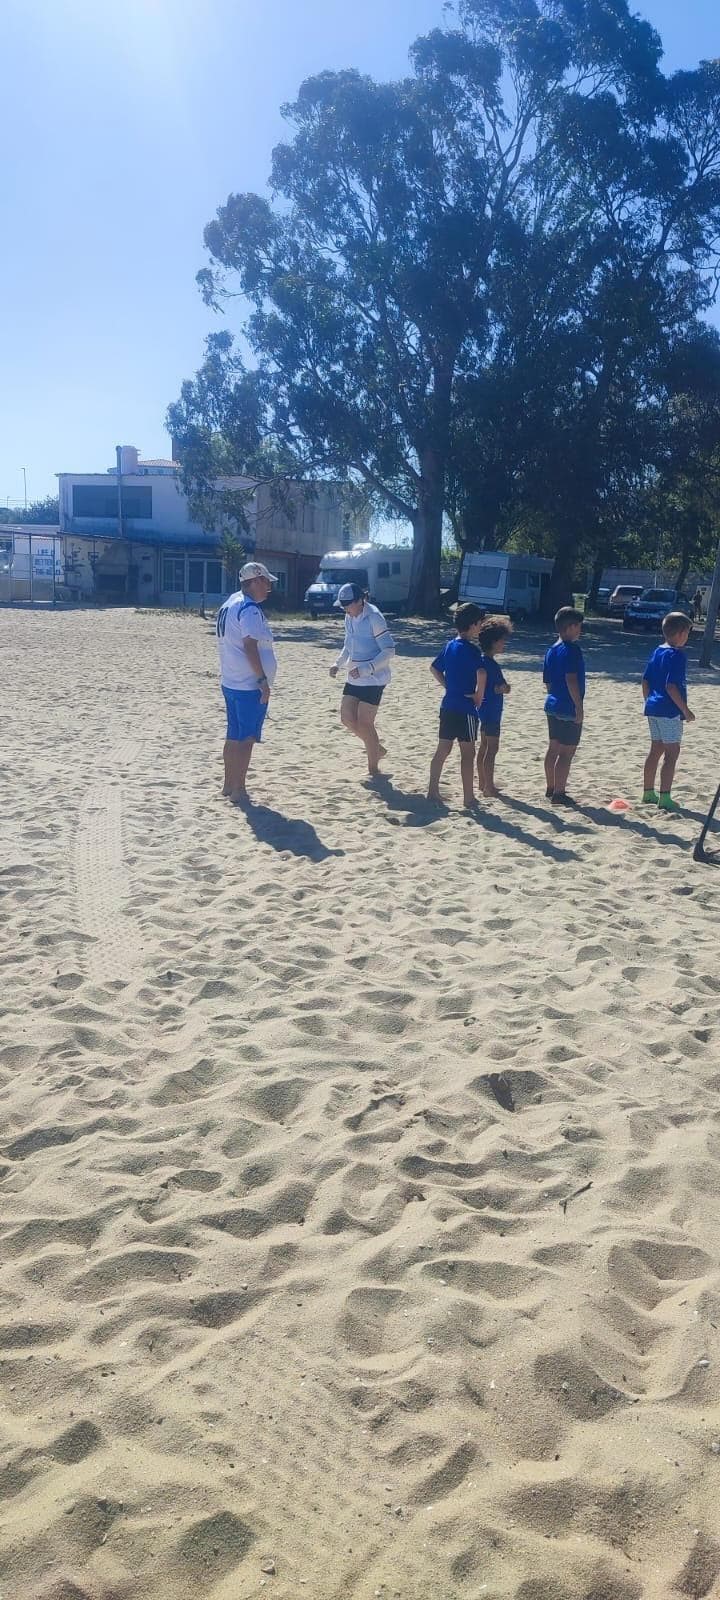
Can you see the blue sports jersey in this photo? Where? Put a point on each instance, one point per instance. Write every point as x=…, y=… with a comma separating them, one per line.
x=459, y=662
x=666, y=665
x=562, y=658
x=491, y=709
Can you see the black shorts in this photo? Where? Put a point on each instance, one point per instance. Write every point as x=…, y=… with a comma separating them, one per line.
x=491, y=730
x=371, y=696
x=460, y=725
x=564, y=730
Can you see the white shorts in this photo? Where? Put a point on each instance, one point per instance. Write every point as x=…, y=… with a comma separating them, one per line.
x=669, y=730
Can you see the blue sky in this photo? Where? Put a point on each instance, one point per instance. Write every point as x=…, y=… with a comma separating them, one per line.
x=125, y=125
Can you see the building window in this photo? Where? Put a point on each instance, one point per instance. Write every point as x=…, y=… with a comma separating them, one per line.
x=213, y=577
x=101, y=500
x=396, y=566
x=196, y=576
x=174, y=574
x=383, y=569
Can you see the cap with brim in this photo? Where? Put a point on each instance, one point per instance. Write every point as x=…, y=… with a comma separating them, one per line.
x=348, y=593
x=255, y=569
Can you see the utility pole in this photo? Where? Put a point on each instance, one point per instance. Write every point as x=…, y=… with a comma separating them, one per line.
x=24, y=473
x=712, y=614
x=118, y=459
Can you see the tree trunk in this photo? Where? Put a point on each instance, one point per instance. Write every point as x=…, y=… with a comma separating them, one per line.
x=682, y=570
x=597, y=572
x=706, y=647
x=560, y=588
x=424, y=597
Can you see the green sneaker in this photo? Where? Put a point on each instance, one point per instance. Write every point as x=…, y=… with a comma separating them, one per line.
x=666, y=803
x=650, y=797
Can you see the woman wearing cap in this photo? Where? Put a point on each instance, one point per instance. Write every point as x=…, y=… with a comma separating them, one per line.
x=247, y=672
x=367, y=652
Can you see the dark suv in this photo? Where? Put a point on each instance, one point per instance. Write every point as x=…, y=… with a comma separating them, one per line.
x=646, y=613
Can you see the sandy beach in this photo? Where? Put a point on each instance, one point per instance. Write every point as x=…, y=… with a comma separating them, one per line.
x=359, y=1164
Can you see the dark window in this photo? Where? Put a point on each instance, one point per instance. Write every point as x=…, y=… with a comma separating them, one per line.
x=383, y=569
x=174, y=574
x=396, y=566
x=101, y=500
x=213, y=577
x=196, y=570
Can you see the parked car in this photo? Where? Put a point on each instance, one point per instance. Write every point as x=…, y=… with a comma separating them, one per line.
x=600, y=607
x=621, y=596
x=646, y=613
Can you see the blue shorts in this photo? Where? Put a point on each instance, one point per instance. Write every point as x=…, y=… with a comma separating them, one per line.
x=245, y=713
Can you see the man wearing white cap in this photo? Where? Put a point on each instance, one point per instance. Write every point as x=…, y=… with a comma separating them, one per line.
x=247, y=672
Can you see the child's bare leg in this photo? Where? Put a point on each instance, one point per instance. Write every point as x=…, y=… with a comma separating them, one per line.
x=486, y=763
x=563, y=763
x=467, y=771
x=651, y=765
x=667, y=770
x=436, y=766
x=553, y=751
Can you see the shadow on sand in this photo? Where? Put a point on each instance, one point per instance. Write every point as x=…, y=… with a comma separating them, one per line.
x=421, y=812
x=286, y=833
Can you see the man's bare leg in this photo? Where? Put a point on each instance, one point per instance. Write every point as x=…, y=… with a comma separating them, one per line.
x=241, y=757
x=436, y=766
x=227, y=763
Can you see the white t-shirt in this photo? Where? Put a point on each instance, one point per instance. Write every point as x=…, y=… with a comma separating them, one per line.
x=240, y=618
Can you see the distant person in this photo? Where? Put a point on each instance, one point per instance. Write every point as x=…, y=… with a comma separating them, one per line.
x=564, y=679
x=492, y=640
x=697, y=601
x=459, y=671
x=247, y=672
x=664, y=690
x=366, y=654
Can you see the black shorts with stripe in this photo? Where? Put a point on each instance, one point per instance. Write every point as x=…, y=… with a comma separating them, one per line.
x=460, y=725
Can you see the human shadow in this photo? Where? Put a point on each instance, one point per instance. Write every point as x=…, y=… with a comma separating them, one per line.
x=612, y=819
x=490, y=822
x=561, y=823
x=420, y=812
x=286, y=833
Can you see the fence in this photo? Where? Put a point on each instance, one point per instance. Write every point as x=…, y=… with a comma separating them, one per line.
x=32, y=566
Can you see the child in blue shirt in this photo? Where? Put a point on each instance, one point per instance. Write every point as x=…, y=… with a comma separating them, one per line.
x=492, y=639
x=564, y=679
x=457, y=669
x=664, y=690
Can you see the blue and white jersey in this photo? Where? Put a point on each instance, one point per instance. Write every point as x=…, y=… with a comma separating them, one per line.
x=240, y=618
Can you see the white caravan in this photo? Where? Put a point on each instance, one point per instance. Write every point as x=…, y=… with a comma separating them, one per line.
x=499, y=580
x=384, y=572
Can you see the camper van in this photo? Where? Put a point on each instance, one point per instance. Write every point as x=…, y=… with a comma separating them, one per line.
x=501, y=581
x=385, y=573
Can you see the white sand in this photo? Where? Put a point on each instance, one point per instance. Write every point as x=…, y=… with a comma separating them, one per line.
x=281, y=1282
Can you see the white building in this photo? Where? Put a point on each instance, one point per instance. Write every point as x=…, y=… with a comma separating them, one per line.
x=129, y=534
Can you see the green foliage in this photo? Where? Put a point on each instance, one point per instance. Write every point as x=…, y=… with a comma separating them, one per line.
x=475, y=291
x=43, y=512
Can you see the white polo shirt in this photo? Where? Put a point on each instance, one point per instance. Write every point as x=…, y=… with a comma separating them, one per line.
x=240, y=618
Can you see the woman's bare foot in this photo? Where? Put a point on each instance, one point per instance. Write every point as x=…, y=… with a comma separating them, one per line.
x=491, y=790
x=239, y=797
x=381, y=752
